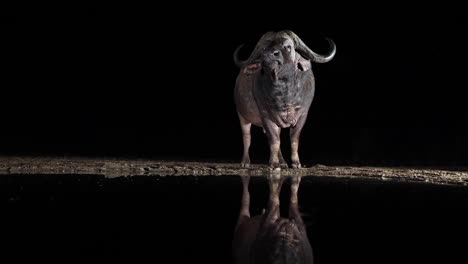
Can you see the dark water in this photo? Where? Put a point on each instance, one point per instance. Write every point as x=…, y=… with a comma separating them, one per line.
x=191, y=219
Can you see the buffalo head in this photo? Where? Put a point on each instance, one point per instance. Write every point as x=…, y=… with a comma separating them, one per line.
x=278, y=48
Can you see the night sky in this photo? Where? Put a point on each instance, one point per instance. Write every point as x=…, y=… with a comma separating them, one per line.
x=157, y=82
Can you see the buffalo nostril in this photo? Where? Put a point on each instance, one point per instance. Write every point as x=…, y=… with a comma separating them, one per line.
x=276, y=53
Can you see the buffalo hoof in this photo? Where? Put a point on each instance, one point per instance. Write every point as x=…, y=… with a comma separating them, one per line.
x=284, y=165
x=296, y=165
x=245, y=165
x=275, y=166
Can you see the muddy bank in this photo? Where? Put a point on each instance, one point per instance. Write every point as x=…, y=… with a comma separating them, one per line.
x=128, y=167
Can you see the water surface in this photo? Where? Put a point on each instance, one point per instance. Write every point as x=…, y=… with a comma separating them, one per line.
x=191, y=219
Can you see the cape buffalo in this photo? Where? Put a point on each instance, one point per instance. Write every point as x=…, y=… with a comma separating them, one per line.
x=274, y=90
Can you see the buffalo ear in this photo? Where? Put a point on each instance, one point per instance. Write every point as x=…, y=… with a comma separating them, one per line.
x=252, y=68
x=303, y=64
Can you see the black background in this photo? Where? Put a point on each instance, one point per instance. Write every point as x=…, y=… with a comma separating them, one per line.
x=157, y=81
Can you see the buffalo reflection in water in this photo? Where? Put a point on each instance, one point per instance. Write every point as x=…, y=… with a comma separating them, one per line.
x=270, y=238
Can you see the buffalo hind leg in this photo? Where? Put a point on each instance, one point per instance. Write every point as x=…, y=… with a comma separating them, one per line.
x=245, y=127
x=295, y=133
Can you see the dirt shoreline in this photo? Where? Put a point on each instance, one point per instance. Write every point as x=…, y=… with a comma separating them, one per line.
x=114, y=167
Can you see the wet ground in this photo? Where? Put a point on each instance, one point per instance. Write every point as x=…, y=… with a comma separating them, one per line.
x=190, y=219
x=126, y=167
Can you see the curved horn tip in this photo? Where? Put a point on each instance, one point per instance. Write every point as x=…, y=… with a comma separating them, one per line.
x=238, y=48
x=331, y=42
x=328, y=57
x=333, y=48
x=237, y=61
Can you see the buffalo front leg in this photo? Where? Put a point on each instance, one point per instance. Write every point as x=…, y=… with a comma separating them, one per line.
x=245, y=127
x=294, y=204
x=282, y=162
x=295, y=133
x=273, y=133
x=295, y=215
x=275, y=181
